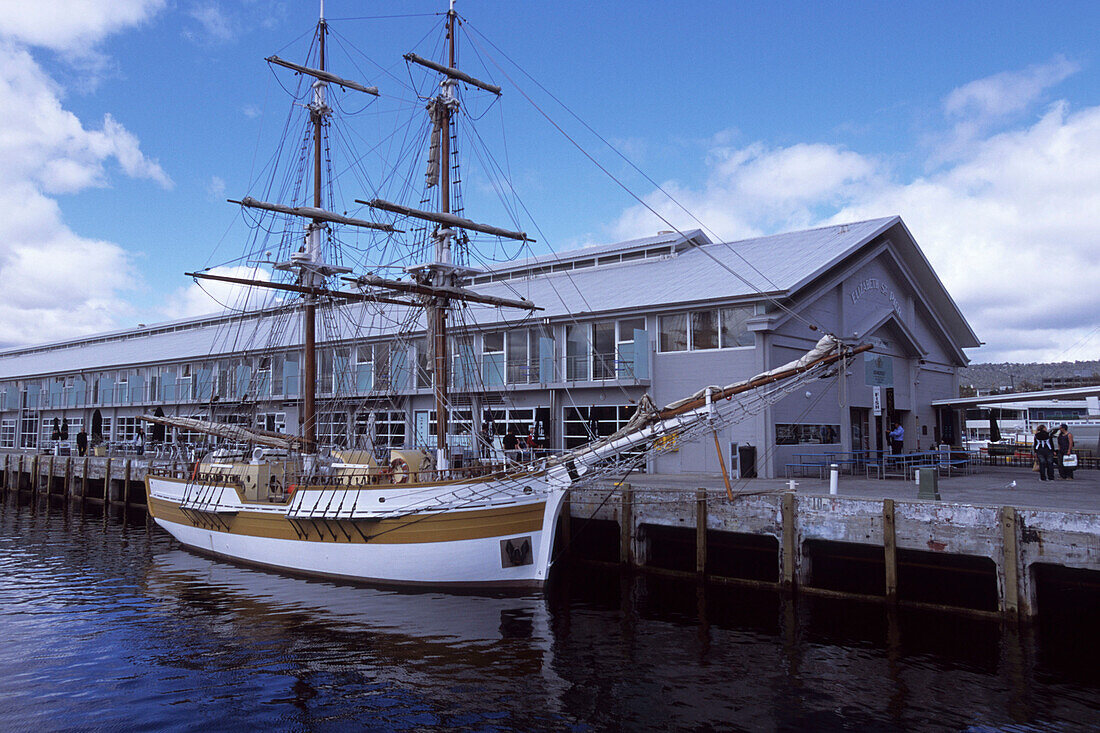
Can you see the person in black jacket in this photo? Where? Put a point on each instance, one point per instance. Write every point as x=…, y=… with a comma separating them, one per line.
x=1044, y=453
x=1063, y=448
x=511, y=444
x=82, y=442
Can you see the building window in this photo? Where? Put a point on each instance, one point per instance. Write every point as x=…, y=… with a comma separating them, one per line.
x=797, y=434
x=603, y=350
x=582, y=425
x=183, y=435
x=263, y=377
x=332, y=429
x=632, y=358
x=125, y=429
x=382, y=375
x=460, y=423
x=221, y=383
x=277, y=375
x=152, y=393
x=7, y=433
x=674, y=333
x=723, y=328
x=521, y=421
x=735, y=331
x=341, y=371
x=272, y=422
x=492, y=359
x=324, y=371
x=463, y=364
x=704, y=330
x=389, y=429
x=577, y=359
x=28, y=435
x=185, y=393
x=380, y=430
x=425, y=364
x=76, y=424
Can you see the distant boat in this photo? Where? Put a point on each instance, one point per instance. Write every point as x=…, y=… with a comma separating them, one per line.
x=411, y=516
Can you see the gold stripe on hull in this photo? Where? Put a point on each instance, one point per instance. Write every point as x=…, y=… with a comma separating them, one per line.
x=473, y=524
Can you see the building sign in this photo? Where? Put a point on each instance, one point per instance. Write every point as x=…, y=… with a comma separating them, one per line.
x=874, y=285
x=878, y=370
x=876, y=400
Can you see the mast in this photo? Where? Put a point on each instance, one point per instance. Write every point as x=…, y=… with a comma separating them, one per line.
x=308, y=263
x=317, y=111
x=440, y=275
x=438, y=281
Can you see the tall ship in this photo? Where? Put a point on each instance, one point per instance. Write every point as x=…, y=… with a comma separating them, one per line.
x=460, y=509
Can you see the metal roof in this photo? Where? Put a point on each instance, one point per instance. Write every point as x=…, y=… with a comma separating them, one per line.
x=1075, y=393
x=698, y=272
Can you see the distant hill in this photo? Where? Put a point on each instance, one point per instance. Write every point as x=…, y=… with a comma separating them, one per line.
x=1028, y=377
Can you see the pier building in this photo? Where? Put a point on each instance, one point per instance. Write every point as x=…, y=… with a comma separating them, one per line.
x=667, y=315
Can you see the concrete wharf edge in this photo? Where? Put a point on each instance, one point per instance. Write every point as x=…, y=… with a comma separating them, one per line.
x=1015, y=538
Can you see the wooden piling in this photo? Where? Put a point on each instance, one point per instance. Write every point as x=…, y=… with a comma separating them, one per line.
x=19, y=476
x=126, y=484
x=49, y=477
x=1010, y=597
x=890, y=549
x=34, y=478
x=69, y=476
x=84, y=480
x=7, y=472
x=566, y=523
x=107, y=483
x=626, y=534
x=701, y=531
x=790, y=541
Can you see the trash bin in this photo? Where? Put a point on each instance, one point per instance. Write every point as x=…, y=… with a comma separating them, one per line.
x=929, y=483
x=746, y=459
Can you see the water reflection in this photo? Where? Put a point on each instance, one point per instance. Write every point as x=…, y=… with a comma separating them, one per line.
x=109, y=624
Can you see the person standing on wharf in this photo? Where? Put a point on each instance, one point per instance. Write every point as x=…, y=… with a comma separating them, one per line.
x=897, y=438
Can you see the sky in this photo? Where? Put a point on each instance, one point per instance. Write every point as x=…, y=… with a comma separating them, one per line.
x=128, y=123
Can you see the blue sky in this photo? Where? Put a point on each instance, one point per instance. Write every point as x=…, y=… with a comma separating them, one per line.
x=979, y=123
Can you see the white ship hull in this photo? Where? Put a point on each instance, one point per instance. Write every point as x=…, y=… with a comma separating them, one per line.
x=499, y=543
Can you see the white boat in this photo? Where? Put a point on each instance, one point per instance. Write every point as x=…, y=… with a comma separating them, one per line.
x=285, y=502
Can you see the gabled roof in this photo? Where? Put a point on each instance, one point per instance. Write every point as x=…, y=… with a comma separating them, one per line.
x=694, y=271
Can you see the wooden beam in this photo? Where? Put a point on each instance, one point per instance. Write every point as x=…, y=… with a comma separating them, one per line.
x=626, y=526
x=1010, y=597
x=790, y=541
x=890, y=549
x=701, y=531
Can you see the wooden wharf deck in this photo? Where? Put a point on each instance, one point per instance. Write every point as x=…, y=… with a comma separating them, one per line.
x=998, y=538
x=997, y=542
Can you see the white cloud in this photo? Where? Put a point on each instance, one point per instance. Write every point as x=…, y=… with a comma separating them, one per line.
x=215, y=25
x=58, y=283
x=758, y=189
x=73, y=27
x=215, y=188
x=1007, y=93
x=211, y=296
x=1008, y=222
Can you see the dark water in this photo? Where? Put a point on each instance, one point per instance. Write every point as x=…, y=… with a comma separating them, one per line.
x=109, y=625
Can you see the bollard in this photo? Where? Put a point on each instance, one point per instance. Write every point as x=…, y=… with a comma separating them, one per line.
x=834, y=478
